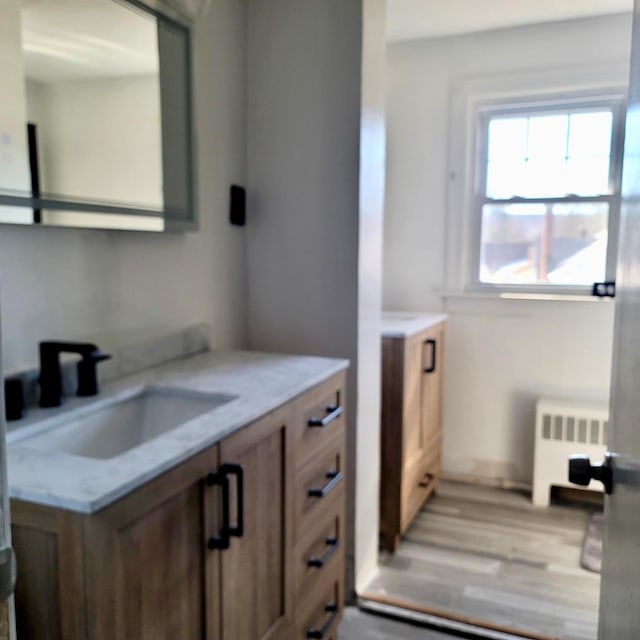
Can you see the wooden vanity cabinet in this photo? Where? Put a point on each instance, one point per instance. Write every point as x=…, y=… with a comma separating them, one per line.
x=150, y=566
x=411, y=428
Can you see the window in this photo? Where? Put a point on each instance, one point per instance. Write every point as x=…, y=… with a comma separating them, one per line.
x=547, y=194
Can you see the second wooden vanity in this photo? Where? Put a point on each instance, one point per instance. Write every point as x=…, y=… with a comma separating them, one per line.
x=411, y=420
x=242, y=541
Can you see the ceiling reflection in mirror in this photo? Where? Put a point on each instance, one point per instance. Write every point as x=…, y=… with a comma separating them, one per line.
x=96, y=130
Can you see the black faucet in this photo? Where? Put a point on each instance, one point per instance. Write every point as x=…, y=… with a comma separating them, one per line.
x=50, y=374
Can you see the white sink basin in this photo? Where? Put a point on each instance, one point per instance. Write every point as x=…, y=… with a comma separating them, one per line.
x=111, y=430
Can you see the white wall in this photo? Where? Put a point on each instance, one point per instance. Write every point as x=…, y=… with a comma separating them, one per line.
x=70, y=283
x=312, y=239
x=500, y=355
x=100, y=139
x=372, y=184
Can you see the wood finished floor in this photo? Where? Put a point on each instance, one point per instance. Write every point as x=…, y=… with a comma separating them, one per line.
x=489, y=553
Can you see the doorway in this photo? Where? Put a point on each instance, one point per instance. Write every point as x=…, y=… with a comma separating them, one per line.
x=502, y=353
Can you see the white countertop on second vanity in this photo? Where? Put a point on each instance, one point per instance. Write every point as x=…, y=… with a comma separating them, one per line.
x=402, y=324
x=260, y=383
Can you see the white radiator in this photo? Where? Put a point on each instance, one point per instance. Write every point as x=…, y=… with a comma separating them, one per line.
x=565, y=427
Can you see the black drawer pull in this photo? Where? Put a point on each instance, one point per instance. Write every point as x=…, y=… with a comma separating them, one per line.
x=334, y=610
x=334, y=477
x=333, y=413
x=427, y=479
x=220, y=541
x=432, y=367
x=333, y=544
x=236, y=470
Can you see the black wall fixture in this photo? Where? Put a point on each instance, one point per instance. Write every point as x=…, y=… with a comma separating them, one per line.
x=238, y=206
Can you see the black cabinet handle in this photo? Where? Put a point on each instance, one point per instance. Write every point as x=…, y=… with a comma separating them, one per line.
x=333, y=413
x=220, y=541
x=221, y=479
x=333, y=544
x=432, y=367
x=230, y=469
x=427, y=479
x=334, y=610
x=334, y=477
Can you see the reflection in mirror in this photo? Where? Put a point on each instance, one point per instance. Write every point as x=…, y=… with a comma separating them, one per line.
x=93, y=100
x=14, y=163
x=97, y=130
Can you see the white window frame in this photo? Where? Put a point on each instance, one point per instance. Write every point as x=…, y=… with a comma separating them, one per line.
x=550, y=105
x=469, y=98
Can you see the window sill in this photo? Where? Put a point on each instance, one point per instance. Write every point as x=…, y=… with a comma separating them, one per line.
x=511, y=295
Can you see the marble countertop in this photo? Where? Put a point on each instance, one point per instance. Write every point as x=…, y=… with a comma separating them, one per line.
x=258, y=383
x=402, y=324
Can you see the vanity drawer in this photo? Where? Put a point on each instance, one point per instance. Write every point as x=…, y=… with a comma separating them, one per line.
x=320, y=552
x=319, y=489
x=320, y=612
x=321, y=415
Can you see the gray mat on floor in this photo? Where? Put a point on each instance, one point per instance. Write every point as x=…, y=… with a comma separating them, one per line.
x=592, y=548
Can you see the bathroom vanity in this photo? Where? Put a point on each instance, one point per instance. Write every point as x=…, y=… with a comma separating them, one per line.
x=411, y=418
x=229, y=526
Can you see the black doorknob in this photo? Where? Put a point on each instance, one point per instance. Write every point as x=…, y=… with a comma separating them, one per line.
x=581, y=472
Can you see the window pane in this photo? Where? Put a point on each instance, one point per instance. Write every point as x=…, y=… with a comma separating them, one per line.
x=544, y=178
x=506, y=179
x=508, y=139
x=590, y=134
x=588, y=176
x=560, y=243
x=548, y=138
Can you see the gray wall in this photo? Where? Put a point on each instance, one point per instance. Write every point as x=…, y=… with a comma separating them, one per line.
x=305, y=262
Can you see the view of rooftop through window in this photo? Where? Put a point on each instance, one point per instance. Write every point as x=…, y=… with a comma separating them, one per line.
x=548, y=192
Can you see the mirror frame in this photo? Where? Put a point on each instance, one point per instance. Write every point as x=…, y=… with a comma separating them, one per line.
x=113, y=216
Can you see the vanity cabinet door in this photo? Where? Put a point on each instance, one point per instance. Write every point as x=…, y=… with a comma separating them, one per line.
x=431, y=405
x=257, y=568
x=413, y=443
x=149, y=573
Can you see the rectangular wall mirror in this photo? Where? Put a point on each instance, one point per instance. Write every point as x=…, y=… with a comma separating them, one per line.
x=95, y=120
